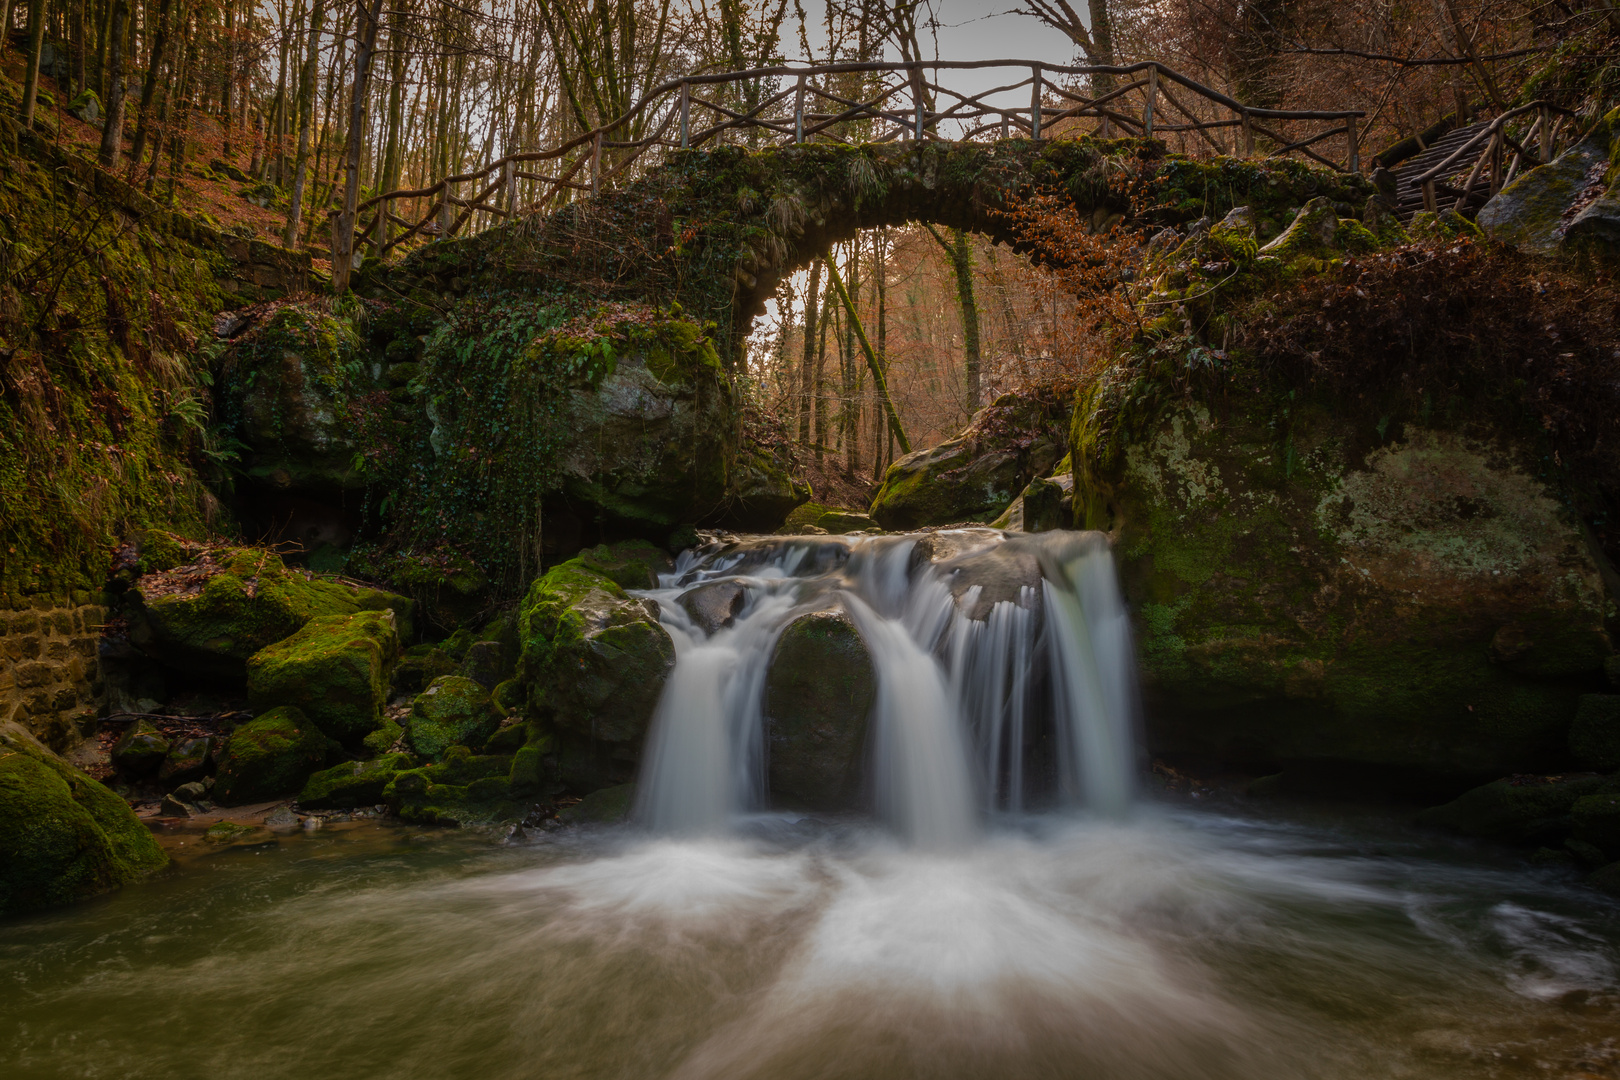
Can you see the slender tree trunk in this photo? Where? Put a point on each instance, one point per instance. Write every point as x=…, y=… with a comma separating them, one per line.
x=820, y=400
x=143, y=119
x=306, y=118
x=343, y=239
x=36, y=45
x=878, y=379
x=811, y=300
x=112, y=131
x=5, y=26
x=185, y=76
x=228, y=83
x=104, y=35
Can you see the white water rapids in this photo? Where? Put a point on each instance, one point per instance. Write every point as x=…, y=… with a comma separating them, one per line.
x=966, y=678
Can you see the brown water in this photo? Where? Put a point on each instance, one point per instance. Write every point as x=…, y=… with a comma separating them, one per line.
x=1182, y=944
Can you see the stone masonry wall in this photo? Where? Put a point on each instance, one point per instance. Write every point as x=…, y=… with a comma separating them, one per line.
x=50, y=670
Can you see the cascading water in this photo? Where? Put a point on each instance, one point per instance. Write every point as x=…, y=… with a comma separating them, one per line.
x=1003, y=669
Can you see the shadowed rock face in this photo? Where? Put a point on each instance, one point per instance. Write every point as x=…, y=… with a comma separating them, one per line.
x=1410, y=598
x=817, y=696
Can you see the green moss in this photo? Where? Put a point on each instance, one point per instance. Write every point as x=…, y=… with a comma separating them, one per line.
x=1518, y=810
x=269, y=757
x=353, y=783
x=1596, y=820
x=252, y=602
x=452, y=712
x=464, y=789
x=140, y=750
x=334, y=668
x=1594, y=737
x=383, y=739
x=63, y=836
x=605, y=807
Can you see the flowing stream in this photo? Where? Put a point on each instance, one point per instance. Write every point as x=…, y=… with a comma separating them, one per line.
x=1006, y=905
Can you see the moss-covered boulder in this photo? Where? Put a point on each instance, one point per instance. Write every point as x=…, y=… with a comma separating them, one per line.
x=463, y=789
x=63, y=836
x=763, y=492
x=335, y=668
x=419, y=666
x=209, y=617
x=713, y=606
x=1046, y=504
x=1595, y=820
x=1573, y=202
x=594, y=660
x=452, y=711
x=974, y=476
x=1519, y=809
x=1321, y=586
x=609, y=806
x=269, y=757
x=1318, y=232
x=140, y=750
x=286, y=388
x=186, y=762
x=353, y=783
x=818, y=693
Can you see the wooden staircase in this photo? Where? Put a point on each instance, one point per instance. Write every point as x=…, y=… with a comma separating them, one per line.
x=1409, y=193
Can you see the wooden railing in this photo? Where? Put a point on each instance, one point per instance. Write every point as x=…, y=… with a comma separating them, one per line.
x=1491, y=164
x=890, y=102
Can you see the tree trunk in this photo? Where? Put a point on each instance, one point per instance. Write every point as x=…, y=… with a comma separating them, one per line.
x=143, y=120
x=878, y=379
x=306, y=118
x=228, y=85
x=36, y=44
x=811, y=299
x=343, y=238
x=112, y=131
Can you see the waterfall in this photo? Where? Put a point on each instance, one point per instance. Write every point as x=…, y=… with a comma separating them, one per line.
x=1003, y=668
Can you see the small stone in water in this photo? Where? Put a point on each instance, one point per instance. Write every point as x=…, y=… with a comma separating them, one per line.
x=282, y=818
x=173, y=807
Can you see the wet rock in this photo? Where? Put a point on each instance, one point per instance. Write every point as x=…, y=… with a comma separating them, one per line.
x=453, y=711
x=594, y=661
x=1517, y=810
x=419, y=666
x=1344, y=600
x=210, y=617
x=843, y=522
x=715, y=605
x=171, y=806
x=193, y=793
x=818, y=694
x=993, y=574
x=1046, y=504
x=269, y=757
x=281, y=819
x=63, y=836
x=463, y=789
x=353, y=783
x=763, y=493
x=228, y=832
x=334, y=668
x=1596, y=821
x=1584, y=854
x=1607, y=878
x=141, y=750
x=977, y=474
x=483, y=663
x=1594, y=736
x=608, y=806
x=187, y=761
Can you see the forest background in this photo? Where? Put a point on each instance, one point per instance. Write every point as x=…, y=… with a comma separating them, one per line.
x=290, y=100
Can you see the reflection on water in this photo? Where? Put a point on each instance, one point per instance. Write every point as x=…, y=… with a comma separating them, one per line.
x=1181, y=943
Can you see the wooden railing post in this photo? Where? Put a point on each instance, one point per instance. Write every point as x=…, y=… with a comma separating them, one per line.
x=1152, y=98
x=798, y=114
x=1004, y=125
x=917, y=127
x=444, y=210
x=596, y=163
x=1248, y=134
x=686, y=114
x=1428, y=196
x=1035, y=102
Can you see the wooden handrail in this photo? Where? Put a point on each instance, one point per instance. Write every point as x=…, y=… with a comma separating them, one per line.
x=919, y=121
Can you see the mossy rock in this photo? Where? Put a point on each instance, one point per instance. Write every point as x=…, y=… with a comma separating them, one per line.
x=383, y=739
x=818, y=693
x=269, y=757
x=609, y=806
x=1413, y=599
x=253, y=601
x=1571, y=203
x=977, y=474
x=1318, y=232
x=63, y=836
x=1517, y=810
x=353, y=783
x=593, y=658
x=452, y=711
x=464, y=789
x=141, y=749
x=841, y=522
x=420, y=665
x=187, y=761
x=334, y=668
x=630, y=564
x=803, y=516
x=1046, y=504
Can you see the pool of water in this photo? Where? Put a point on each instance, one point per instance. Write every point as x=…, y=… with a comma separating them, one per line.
x=1185, y=942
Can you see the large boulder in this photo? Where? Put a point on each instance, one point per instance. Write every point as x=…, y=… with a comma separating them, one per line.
x=208, y=617
x=818, y=693
x=974, y=476
x=452, y=711
x=1574, y=201
x=594, y=660
x=285, y=388
x=269, y=757
x=335, y=668
x=463, y=789
x=1518, y=810
x=353, y=783
x=63, y=836
x=1400, y=597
